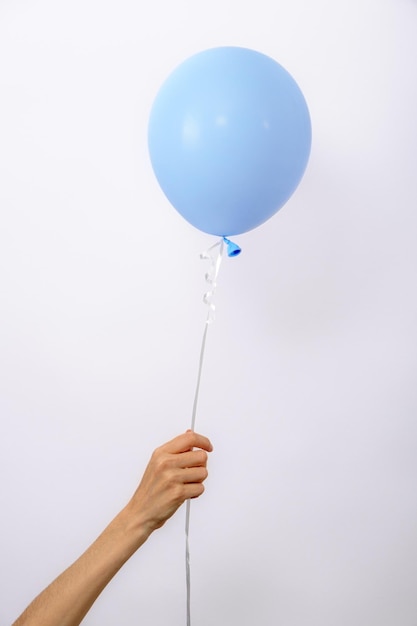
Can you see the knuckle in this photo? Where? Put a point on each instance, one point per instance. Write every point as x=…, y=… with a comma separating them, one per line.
x=203, y=457
x=164, y=463
x=199, y=490
x=157, y=455
x=177, y=492
x=204, y=473
x=190, y=438
x=199, y=458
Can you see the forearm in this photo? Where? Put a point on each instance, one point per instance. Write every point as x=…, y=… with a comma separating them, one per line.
x=70, y=596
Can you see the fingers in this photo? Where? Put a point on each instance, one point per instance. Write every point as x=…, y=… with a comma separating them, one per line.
x=186, y=442
x=193, y=490
x=194, y=475
x=195, y=458
x=185, y=467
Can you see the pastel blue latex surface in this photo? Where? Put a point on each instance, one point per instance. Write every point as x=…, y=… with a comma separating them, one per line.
x=229, y=139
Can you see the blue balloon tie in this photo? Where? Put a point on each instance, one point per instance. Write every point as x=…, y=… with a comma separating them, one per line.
x=211, y=279
x=232, y=248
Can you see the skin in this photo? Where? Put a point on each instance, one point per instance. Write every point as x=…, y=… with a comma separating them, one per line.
x=175, y=473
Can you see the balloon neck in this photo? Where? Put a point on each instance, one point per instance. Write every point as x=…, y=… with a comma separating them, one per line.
x=232, y=248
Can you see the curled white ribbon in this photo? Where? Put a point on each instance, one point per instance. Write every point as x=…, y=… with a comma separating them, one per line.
x=214, y=254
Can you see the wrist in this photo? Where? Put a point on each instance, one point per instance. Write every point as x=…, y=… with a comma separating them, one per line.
x=132, y=528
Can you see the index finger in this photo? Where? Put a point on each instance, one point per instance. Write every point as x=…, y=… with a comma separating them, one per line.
x=187, y=441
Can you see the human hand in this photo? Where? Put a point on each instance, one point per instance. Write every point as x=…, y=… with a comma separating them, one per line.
x=175, y=473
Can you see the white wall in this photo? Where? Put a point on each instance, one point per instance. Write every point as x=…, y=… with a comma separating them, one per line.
x=309, y=392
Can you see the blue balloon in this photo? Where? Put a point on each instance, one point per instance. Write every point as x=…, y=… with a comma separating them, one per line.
x=229, y=139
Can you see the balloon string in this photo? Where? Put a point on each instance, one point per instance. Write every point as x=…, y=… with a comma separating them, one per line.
x=214, y=255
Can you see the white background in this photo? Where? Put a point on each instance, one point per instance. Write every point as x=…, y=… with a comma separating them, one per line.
x=308, y=393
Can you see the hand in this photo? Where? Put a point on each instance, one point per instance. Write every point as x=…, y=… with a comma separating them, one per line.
x=175, y=473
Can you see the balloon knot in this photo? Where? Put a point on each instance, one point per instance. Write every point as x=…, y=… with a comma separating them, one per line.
x=232, y=248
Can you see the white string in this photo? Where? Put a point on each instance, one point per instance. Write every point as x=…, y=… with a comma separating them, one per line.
x=211, y=278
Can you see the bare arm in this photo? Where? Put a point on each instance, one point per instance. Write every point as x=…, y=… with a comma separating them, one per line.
x=174, y=474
